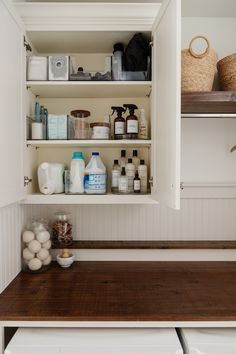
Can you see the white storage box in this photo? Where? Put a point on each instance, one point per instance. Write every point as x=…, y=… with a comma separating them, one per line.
x=37, y=68
x=209, y=340
x=94, y=341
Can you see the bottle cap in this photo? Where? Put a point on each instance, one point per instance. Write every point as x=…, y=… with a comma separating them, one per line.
x=123, y=171
x=116, y=162
x=136, y=174
x=118, y=47
x=123, y=153
x=135, y=153
x=141, y=162
x=95, y=153
x=130, y=160
x=77, y=156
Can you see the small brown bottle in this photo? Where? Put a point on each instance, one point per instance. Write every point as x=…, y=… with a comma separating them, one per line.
x=137, y=183
x=131, y=122
x=119, y=123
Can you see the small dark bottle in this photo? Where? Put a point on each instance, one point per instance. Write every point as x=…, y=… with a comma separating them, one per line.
x=137, y=183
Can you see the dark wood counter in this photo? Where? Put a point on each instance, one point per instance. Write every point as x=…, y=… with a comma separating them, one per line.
x=124, y=291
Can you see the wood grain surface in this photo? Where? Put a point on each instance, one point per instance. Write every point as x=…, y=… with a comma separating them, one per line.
x=122, y=291
x=149, y=245
x=209, y=102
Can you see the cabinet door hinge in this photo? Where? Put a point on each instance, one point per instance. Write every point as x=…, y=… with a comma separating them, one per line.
x=27, y=45
x=27, y=180
x=182, y=186
x=151, y=181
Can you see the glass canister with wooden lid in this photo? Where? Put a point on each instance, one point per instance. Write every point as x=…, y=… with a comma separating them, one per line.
x=79, y=124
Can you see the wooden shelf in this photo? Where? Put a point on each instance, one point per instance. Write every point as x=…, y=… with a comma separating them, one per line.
x=89, y=143
x=221, y=102
x=106, y=199
x=91, y=89
x=204, y=245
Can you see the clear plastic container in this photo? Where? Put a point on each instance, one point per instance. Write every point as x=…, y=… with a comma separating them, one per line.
x=62, y=230
x=79, y=124
x=36, y=251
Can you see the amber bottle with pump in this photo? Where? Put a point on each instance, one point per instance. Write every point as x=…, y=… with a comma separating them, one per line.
x=131, y=122
x=119, y=123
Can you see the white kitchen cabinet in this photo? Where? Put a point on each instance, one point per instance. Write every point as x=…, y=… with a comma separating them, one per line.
x=82, y=29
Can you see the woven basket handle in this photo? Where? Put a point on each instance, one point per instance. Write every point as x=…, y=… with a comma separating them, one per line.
x=196, y=55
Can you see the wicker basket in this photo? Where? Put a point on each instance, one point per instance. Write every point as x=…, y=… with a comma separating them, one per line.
x=227, y=73
x=198, y=70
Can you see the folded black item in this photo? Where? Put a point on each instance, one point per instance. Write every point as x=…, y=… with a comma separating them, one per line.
x=136, y=53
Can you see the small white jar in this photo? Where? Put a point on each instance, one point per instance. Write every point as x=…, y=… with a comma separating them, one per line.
x=100, y=130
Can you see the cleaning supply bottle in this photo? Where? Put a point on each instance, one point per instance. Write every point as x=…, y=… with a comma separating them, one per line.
x=143, y=125
x=136, y=160
x=131, y=122
x=143, y=175
x=137, y=183
x=115, y=176
x=123, y=158
x=117, y=58
x=123, y=182
x=77, y=168
x=95, y=181
x=119, y=123
x=130, y=173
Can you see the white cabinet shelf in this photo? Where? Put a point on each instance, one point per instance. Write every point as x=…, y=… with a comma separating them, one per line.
x=88, y=199
x=89, y=143
x=91, y=89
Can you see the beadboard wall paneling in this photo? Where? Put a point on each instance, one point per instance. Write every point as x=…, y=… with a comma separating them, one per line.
x=198, y=219
x=11, y=222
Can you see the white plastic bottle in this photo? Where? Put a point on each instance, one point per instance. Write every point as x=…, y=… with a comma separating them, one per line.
x=143, y=125
x=130, y=173
x=123, y=158
x=136, y=160
x=123, y=182
x=95, y=181
x=142, y=172
x=77, y=168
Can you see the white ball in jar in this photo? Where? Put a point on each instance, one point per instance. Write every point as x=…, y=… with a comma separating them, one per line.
x=28, y=236
x=47, y=244
x=34, y=246
x=35, y=264
x=47, y=260
x=43, y=236
x=42, y=254
x=27, y=254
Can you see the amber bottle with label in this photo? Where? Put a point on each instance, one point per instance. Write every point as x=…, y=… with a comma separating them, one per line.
x=131, y=122
x=119, y=123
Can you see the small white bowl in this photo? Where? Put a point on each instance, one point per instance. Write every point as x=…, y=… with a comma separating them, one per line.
x=65, y=262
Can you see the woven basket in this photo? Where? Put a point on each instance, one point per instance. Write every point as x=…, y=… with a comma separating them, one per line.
x=198, y=70
x=227, y=73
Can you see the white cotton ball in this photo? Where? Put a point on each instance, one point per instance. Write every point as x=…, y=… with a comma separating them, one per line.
x=27, y=255
x=43, y=236
x=27, y=236
x=34, y=246
x=47, y=260
x=35, y=264
x=47, y=244
x=43, y=254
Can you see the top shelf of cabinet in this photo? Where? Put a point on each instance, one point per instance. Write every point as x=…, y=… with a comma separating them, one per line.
x=220, y=103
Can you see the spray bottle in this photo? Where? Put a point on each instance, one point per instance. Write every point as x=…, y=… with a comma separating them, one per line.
x=119, y=123
x=131, y=122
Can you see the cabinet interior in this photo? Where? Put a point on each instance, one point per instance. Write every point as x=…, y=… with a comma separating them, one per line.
x=97, y=97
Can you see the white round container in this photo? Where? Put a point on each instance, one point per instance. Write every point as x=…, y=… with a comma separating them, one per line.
x=100, y=130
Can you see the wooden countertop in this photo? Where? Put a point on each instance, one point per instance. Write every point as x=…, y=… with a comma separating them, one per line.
x=124, y=291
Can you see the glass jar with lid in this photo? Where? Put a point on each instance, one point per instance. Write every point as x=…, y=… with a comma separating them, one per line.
x=79, y=124
x=62, y=229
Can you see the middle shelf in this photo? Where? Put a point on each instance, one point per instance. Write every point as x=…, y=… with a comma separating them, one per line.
x=90, y=143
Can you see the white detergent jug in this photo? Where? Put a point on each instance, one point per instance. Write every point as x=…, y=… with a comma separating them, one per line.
x=95, y=176
x=77, y=173
x=50, y=178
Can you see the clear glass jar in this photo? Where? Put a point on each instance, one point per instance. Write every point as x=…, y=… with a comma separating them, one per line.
x=79, y=124
x=36, y=253
x=62, y=230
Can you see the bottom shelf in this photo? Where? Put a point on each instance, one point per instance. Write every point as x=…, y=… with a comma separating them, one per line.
x=88, y=199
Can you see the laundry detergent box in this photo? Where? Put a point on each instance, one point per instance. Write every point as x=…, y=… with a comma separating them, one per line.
x=57, y=127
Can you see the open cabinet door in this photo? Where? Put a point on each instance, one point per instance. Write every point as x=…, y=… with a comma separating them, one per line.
x=166, y=101
x=12, y=69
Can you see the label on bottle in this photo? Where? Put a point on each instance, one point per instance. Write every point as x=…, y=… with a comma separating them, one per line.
x=123, y=185
x=95, y=183
x=119, y=128
x=115, y=178
x=132, y=126
x=137, y=185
